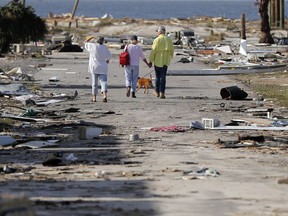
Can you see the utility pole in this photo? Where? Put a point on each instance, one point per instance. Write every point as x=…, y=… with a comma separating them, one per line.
x=243, y=27
x=74, y=10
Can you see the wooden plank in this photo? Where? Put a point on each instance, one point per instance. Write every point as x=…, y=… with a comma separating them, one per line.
x=259, y=121
x=250, y=128
x=27, y=119
x=206, y=52
x=220, y=72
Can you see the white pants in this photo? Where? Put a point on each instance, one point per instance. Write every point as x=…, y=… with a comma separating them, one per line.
x=103, y=82
x=131, y=76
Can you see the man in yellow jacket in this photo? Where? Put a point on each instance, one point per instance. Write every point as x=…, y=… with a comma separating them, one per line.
x=161, y=54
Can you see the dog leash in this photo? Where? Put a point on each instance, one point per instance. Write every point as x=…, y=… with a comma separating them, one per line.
x=148, y=73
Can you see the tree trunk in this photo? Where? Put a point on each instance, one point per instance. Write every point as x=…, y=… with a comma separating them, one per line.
x=265, y=36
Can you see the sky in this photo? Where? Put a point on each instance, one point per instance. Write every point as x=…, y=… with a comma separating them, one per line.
x=4, y=2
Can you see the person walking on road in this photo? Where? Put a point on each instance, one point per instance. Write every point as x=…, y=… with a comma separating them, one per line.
x=132, y=71
x=161, y=54
x=98, y=65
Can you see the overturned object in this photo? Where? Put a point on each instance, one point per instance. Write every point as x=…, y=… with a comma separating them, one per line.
x=233, y=93
x=210, y=123
x=196, y=125
x=37, y=144
x=186, y=59
x=133, y=137
x=88, y=133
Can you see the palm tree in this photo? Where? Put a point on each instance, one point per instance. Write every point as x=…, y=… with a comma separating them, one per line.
x=19, y=24
x=265, y=36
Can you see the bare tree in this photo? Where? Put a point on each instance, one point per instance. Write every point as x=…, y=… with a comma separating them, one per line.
x=265, y=36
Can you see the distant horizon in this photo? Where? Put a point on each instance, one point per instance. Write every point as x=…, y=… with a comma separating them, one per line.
x=27, y=1
x=4, y=2
x=148, y=9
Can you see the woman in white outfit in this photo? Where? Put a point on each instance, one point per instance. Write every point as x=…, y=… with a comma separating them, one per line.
x=132, y=71
x=98, y=65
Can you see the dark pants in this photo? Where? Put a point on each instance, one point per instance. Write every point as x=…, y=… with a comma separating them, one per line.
x=160, y=80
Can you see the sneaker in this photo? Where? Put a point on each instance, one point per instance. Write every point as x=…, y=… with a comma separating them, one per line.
x=156, y=94
x=162, y=95
x=105, y=99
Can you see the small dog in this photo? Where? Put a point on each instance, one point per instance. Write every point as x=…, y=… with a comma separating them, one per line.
x=144, y=82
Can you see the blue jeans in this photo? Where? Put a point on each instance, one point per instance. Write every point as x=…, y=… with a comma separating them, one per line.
x=103, y=82
x=131, y=76
x=160, y=80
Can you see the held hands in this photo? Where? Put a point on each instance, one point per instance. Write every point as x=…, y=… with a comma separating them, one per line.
x=149, y=64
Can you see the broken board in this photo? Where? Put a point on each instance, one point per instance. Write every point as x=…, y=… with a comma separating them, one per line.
x=257, y=121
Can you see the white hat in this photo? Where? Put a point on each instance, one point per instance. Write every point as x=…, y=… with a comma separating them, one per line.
x=161, y=29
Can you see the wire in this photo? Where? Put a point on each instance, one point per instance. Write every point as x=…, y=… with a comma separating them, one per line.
x=148, y=73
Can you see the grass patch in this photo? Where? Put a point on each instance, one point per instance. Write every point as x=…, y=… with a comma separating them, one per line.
x=215, y=37
x=105, y=22
x=33, y=87
x=276, y=93
x=209, y=24
x=269, y=85
x=232, y=27
x=6, y=124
